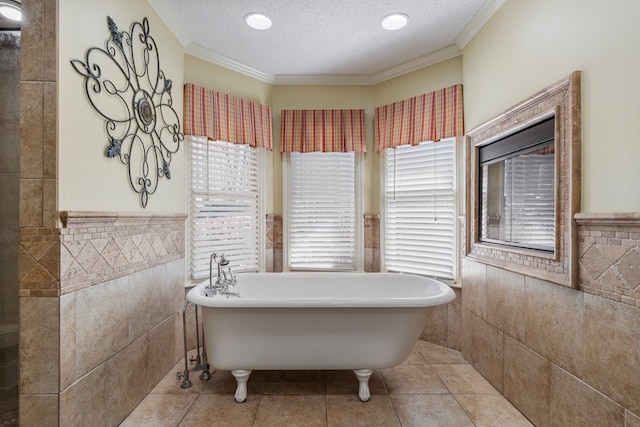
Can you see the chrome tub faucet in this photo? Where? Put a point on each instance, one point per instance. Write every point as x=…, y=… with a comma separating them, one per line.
x=222, y=282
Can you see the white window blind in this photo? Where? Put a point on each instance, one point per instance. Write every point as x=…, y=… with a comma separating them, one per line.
x=224, y=211
x=419, y=209
x=322, y=210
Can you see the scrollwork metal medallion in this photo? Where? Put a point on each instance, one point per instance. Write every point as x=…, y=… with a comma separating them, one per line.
x=125, y=85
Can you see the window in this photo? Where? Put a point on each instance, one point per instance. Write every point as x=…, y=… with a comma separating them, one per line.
x=323, y=219
x=558, y=262
x=225, y=211
x=517, y=182
x=419, y=209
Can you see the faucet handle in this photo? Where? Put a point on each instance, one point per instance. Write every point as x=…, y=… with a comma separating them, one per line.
x=232, y=280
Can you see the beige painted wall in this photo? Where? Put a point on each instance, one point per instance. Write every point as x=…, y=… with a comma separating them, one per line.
x=201, y=72
x=529, y=45
x=88, y=180
x=443, y=74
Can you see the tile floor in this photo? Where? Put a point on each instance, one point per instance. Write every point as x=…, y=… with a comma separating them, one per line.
x=435, y=386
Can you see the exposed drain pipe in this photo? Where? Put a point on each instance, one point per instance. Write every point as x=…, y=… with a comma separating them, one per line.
x=206, y=373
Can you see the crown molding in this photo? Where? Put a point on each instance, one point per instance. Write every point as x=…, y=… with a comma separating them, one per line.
x=478, y=21
x=322, y=79
x=165, y=13
x=226, y=62
x=370, y=79
x=418, y=63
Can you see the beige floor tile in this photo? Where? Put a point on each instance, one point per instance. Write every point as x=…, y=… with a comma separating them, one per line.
x=223, y=382
x=349, y=411
x=463, y=379
x=291, y=410
x=491, y=410
x=430, y=410
x=415, y=357
x=295, y=382
x=421, y=390
x=171, y=383
x=346, y=382
x=160, y=410
x=213, y=410
x=413, y=379
x=434, y=353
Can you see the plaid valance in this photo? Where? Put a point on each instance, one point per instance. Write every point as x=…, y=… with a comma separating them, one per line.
x=222, y=117
x=322, y=130
x=428, y=117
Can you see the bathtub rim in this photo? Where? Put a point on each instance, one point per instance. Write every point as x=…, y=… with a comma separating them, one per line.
x=196, y=295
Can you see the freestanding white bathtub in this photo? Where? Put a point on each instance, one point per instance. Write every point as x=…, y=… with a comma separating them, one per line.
x=357, y=321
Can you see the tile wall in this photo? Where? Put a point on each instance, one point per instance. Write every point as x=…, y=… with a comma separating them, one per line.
x=273, y=255
x=101, y=294
x=113, y=327
x=371, y=243
x=563, y=356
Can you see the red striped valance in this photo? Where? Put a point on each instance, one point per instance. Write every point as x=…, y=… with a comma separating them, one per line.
x=322, y=130
x=222, y=117
x=428, y=117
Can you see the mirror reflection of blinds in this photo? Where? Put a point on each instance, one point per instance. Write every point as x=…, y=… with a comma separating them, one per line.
x=224, y=205
x=419, y=209
x=322, y=204
x=530, y=205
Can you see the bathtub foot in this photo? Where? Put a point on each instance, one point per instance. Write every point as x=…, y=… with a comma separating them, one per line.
x=241, y=376
x=363, y=377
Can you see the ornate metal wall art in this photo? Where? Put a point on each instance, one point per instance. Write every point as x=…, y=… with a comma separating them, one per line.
x=125, y=85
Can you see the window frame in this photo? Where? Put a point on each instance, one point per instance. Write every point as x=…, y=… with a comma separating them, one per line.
x=457, y=203
x=564, y=100
x=510, y=149
x=359, y=215
x=261, y=225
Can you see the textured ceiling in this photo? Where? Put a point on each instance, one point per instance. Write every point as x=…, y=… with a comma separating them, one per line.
x=324, y=37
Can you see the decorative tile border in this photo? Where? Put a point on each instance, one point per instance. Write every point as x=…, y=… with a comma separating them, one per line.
x=96, y=247
x=38, y=262
x=609, y=255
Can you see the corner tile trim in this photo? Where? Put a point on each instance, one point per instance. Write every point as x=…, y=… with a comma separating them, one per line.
x=609, y=248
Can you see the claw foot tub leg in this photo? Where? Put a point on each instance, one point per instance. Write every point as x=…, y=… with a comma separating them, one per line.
x=241, y=376
x=363, y=377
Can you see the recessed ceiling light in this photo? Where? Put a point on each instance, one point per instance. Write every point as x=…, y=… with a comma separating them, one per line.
x=395, y=21
x=10, y=12
x=258, y=21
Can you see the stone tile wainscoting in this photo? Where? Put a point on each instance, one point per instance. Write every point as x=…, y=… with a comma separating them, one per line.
x=371, y=243
x=273, y=255
x=100, y=314
x=563, y=356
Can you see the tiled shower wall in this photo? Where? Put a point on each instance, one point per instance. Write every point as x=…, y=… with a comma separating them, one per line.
x=563, y=356
x=9, y=185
